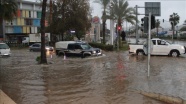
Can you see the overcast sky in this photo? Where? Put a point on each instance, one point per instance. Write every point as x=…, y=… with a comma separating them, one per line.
x=167, y=8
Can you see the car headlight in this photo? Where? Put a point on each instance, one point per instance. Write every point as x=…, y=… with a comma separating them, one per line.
x=182, y=47
x=47, y=48
x=94, y=52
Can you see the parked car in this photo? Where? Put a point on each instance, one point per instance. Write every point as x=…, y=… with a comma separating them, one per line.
x=4, y=49
x=37, y=47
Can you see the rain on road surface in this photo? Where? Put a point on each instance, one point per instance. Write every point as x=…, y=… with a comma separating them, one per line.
x=111, y=79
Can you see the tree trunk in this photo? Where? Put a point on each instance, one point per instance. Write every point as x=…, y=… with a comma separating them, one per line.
x=119, y=24
x=104, y=31
x=157, y=31
x=43, y=51
x=104, y=22
x=1, y=27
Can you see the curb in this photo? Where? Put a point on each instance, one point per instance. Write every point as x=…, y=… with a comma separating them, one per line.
x=164, y=98
x=4, y=99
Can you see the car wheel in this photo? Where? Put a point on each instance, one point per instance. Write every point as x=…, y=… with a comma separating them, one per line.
x=174, y=53
x=82, y=55
x=140, y=53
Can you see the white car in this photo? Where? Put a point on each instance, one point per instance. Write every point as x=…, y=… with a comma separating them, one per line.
x=158, y=47
x=4, y=49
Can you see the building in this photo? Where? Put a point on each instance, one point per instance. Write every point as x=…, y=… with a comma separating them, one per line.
x=26, y=22
x=94, y=34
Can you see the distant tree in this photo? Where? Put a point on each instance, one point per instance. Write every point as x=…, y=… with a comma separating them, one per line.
x=157, y=25
x=174, y=20
x=184, y=22
x=8, y=10
x=122, y=12
x=78, y=17
x=183, y=28
x=70, y=15
x=105, y=4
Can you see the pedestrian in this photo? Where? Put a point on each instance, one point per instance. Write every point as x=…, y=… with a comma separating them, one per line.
x=123, y=35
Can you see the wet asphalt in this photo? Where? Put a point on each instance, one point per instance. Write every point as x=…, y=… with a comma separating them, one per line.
x=114, y=78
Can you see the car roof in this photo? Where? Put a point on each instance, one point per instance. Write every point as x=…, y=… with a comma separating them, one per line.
x=37, y=43
x=79, y=43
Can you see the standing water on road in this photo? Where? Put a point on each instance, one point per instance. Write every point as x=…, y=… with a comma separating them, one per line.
x=112, y=79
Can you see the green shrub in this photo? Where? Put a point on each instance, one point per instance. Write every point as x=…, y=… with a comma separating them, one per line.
x=123, y=47
x=102, y=46
x=38, y=59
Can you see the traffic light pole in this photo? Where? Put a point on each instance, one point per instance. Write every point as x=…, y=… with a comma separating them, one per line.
x=137, y=24
x=137, y=35
x=149, y=44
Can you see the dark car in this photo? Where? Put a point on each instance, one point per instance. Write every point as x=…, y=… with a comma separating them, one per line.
x=80, y=49
x=37, y=47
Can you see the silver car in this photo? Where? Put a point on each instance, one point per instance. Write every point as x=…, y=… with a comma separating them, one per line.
x=4, y=49
x=37, y=47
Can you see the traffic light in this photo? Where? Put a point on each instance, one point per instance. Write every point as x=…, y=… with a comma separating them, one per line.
x=142, y=24
x=153, y=21
x=146, y=24
x=119, y=28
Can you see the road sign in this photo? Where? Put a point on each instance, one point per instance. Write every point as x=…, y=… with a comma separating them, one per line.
x=153, y=7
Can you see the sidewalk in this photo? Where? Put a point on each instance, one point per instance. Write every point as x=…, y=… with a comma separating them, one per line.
x=4, y=99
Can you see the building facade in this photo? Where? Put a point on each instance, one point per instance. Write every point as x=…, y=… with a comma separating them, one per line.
x=26, y=22
x=94, y=34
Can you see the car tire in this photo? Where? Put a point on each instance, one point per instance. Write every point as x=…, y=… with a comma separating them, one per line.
x=82, y=55
x=174, y=53
x=140, y=53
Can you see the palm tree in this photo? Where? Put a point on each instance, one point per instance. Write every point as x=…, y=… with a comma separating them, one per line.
x=8, y=9
x=184, y=22
x=43, y=52
x=174, y=20
x=105, y=4
x=157, y=25
x=121, y=12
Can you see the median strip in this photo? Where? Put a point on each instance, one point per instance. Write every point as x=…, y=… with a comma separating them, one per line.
x=4, y=99
x=164, y=98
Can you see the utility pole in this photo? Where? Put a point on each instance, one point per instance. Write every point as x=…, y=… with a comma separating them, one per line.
x=149, y=44
x=137, y=24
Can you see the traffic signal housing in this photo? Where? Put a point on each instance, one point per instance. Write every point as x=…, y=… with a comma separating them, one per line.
x=153, y=22
x=146, y=23
x=142, y=24
x=119, y=28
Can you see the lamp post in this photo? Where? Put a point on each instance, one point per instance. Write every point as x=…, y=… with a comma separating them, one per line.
x=111, y=25
x=137, y=24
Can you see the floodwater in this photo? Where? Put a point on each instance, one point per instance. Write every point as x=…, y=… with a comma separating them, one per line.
x=114, y=78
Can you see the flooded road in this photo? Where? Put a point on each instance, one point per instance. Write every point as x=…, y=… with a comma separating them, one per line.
x=111, y=79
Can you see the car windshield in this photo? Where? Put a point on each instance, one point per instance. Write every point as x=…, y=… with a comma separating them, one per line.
x=4, y=46
x=168, y=42
x=85, y=46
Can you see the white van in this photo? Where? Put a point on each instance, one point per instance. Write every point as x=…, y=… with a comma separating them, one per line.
x=4, y=49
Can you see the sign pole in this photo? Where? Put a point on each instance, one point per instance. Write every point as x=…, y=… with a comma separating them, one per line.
x=149, y=44
x=136, y=24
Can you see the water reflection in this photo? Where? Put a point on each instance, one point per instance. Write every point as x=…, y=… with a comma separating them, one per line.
x=105, y=80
